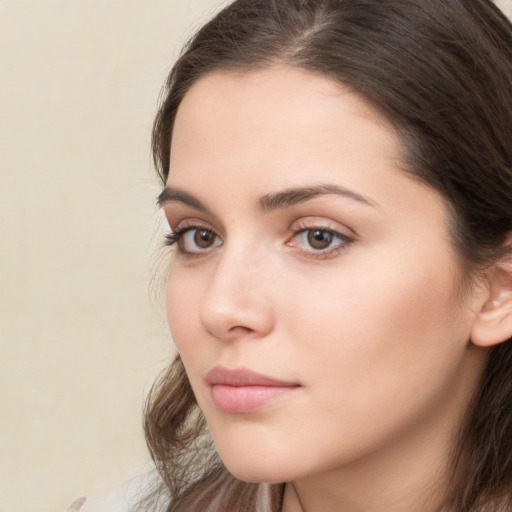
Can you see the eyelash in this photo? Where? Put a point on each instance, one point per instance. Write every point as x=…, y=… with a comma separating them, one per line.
x=176, y=238
x=173, y=237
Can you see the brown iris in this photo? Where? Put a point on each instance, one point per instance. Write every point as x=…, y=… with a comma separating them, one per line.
x=319, y=238
x=204, y=238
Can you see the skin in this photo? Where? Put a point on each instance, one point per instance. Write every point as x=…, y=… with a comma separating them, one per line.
x=373, y=328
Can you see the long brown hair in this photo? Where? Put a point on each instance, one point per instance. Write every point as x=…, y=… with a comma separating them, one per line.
x=441, y=72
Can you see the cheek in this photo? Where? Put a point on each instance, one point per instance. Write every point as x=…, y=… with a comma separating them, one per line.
x=181, y=310
x=375, y=339
x=378, y=353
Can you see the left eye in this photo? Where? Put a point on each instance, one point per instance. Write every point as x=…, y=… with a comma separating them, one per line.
x=319, y=239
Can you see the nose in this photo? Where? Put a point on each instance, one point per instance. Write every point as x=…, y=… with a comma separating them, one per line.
x=236, y=302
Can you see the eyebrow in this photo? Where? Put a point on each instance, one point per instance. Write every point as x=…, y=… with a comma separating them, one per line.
x=292, y=196
x=170, y=195
x=272, y=201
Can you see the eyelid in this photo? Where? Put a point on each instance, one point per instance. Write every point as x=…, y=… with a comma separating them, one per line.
x=317, y=222
x=179, y=214
x=190, y=223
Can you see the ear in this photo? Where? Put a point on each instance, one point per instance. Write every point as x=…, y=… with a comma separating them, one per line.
x=493, y=323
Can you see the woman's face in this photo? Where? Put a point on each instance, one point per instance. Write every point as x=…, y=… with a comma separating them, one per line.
x=314, y=294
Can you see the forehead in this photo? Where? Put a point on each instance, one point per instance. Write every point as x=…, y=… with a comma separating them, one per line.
x=254, y=119
x=251, y=93
x=274, y=84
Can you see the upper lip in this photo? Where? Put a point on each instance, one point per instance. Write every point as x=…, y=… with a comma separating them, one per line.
x=242, y=377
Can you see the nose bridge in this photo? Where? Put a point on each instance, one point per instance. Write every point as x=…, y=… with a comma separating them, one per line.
x=236, y=298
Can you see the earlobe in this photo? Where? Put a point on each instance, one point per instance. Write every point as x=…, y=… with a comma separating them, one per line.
x=493, y=323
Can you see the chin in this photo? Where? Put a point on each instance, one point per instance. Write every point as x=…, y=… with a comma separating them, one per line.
x=259, y=465
x=258, y=451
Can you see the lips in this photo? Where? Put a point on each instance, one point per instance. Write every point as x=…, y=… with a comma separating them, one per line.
x=242, y=391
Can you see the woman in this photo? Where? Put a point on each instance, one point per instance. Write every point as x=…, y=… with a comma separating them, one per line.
x=338, y=183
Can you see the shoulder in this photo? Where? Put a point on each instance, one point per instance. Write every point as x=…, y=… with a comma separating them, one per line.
x=124, y=498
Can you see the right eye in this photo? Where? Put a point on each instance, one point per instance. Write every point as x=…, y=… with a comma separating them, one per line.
x=193, y=240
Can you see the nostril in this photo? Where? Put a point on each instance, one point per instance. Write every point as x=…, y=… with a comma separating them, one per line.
x=229, y=332
x=240, y=329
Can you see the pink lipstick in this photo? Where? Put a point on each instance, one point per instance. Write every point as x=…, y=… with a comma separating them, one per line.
x=242, y=391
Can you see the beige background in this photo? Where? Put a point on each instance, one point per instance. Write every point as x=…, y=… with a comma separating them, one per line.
x=81, y=337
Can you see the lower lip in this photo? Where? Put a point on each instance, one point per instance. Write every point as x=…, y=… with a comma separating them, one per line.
x=246, y=399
